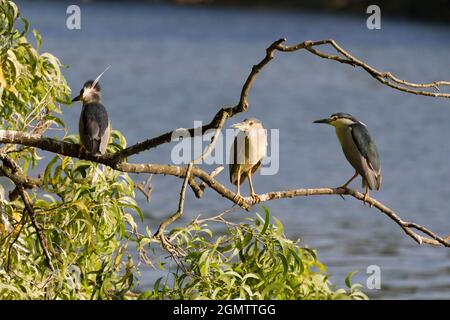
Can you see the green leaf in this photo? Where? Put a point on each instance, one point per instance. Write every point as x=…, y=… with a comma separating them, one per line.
x=347, y=279
x=38, y=37
x=65, y=162
x=285, y=264
x=266, y=220
x=280, y=228
x=144, y=295
x=298, y=260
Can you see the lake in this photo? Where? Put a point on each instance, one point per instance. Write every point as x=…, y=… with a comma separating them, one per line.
x=172, y=65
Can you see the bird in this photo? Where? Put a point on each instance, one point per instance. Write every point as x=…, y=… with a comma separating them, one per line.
x=359, y=149
x=94, y=125
x=247, y=151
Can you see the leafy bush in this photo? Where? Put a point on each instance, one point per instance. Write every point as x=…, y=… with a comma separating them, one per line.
x=83, y=208
x=251, y=261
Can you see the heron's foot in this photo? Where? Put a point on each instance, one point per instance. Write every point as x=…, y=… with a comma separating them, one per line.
x=366, y=198
x=255, y=198
x=344, y=186
x=83, y=150
x=239, y=200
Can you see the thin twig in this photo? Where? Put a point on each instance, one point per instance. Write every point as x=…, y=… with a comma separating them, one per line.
x=146, y=188
x=160, y=233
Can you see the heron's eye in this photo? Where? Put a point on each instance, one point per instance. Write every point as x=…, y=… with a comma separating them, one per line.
x=251, y=123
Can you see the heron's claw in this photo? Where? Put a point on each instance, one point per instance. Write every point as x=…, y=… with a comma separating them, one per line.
x=255, y=198
x=82, y=149
x=239, y=200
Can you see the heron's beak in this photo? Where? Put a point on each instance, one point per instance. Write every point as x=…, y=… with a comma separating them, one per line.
x=241, y=126
x=326, y=120
x=77, y=98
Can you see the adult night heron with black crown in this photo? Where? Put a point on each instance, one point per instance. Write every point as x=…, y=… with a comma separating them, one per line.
x=359, y=149
x=248, y=150
x=94, y=125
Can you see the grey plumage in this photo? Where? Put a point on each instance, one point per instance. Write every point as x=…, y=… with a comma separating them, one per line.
x=358, y=147
x=369, y=152
x=94, y=126
x=361, y=152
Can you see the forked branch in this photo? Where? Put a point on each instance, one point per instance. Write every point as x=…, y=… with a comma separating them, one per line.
x=119, y=162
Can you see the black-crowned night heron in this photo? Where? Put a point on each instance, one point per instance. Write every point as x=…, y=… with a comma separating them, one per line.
x=248, y=150
x=94, y=125
x=359, y=149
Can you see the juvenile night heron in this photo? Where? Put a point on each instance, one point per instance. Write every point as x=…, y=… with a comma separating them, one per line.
x=359, y=149
x=94, y=125
x=248, y=150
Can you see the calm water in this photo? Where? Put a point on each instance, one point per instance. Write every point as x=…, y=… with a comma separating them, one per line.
x=174, y=65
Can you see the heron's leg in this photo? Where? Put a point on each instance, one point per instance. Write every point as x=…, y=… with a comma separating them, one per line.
x=366, y=195
x=350, y=180
x=238, y=191
x=254, y=196
x=252, y=191
x=238, y=198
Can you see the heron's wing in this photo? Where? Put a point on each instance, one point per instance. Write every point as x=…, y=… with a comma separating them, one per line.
x=259, y=146
x=105, y=139
x=88, y=130
x=232, y=167
x=95, y=127
x=365, y=145
x=238, y=156
x=91, y=128
x=368, y=150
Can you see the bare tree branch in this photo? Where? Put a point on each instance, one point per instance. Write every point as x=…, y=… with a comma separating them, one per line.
x=247, y=203
x=146, y=187
x=406, y=226
x=118, y=160
x=172, y=249
x=73, y=150
x=384, y=77
x=160, y=233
